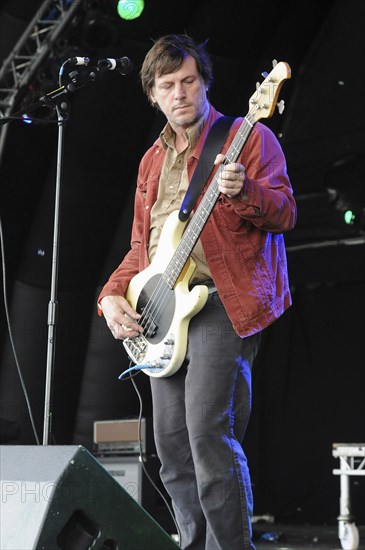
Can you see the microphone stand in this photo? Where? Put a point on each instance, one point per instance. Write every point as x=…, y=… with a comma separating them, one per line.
x=62, y=108
x=58, y=100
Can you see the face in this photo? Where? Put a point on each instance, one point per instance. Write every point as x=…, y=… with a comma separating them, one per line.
x=181, y=95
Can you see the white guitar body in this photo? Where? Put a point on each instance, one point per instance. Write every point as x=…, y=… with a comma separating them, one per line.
x=163, y=352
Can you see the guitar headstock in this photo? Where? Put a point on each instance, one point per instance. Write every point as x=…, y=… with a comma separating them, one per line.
x=262, y=103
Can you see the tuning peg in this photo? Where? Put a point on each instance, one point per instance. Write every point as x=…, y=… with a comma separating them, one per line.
x=274, y=62
x=265, y=74
x=281, y=106
x=258, y=86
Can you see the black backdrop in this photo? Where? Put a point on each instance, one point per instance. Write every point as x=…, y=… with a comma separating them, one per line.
x=309, y=376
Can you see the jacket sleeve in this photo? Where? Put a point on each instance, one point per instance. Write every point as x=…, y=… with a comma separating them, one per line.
x=266, y=199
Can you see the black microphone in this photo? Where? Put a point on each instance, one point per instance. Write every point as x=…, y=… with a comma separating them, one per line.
x=122, y=65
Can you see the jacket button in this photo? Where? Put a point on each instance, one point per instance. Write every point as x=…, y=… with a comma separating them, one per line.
x=147, y=206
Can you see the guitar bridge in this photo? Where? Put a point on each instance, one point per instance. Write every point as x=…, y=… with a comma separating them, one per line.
x=136, y=348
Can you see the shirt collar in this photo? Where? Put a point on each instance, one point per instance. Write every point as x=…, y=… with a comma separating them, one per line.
x=192, y=133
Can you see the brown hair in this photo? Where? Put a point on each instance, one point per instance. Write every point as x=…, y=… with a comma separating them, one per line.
x=167, y=55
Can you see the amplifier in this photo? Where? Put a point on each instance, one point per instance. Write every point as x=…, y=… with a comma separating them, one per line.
x=120, y=436
x=127, y=471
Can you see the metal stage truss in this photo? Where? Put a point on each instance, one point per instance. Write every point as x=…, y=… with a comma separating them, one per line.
x=30, y=52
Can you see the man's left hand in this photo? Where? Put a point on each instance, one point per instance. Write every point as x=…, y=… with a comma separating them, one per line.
x=231, y=178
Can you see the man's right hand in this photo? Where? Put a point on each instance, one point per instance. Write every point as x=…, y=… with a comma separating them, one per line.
x=120, y=317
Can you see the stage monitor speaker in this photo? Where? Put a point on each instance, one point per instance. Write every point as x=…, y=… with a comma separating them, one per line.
x=62, y=498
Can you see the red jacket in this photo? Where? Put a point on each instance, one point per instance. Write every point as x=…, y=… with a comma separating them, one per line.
x=242, y=238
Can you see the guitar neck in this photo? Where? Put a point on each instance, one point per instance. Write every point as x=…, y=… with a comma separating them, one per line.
x=203, y=211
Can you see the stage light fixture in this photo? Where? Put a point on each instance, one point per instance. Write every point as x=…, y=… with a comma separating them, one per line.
x=349, y=217
x=130, y=9
x=346, y=190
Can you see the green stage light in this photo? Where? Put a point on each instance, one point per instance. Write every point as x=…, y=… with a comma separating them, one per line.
x=130, y=9
x=349, y=217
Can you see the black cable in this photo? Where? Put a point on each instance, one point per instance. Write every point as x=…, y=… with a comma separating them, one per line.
x=11, y=336
x=141, y=458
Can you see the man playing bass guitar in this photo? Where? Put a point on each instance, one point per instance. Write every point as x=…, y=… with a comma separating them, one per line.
x=201, y=409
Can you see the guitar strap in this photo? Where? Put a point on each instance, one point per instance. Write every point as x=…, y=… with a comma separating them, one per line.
x=212, y=146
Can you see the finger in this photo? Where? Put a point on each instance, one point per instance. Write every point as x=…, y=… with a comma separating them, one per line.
x=129, y=311
x=131, y=326
x=121, y=331
x=235, y=168
x=219, y=159
x=230, y=188
x=229, y=177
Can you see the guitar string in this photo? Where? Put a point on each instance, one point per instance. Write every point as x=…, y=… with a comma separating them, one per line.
x=159, y=295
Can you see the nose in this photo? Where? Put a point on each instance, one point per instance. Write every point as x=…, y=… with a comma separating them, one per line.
x=179, y=92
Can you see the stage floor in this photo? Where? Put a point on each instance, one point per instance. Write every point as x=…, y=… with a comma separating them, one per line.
x=293, y=537
x=269, y=536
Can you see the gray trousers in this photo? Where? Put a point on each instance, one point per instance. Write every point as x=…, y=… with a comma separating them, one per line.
x=200, y=417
